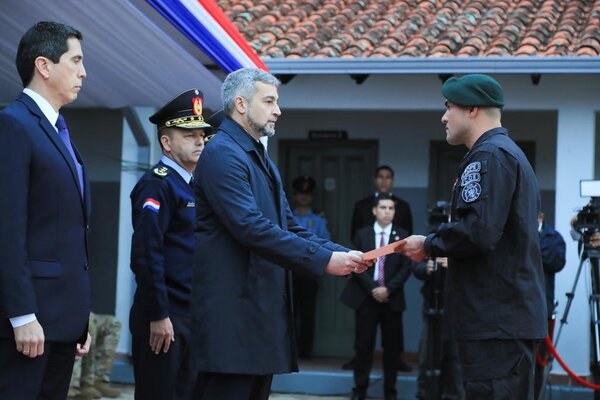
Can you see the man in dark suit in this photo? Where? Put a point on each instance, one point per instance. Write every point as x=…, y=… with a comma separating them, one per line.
x=44, y=209
x=378, y=299
x=246, y=241
x=162, y=251
x=363, y=214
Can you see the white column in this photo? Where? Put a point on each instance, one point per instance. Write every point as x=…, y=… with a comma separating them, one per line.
x=574, y=161
x=129, y=177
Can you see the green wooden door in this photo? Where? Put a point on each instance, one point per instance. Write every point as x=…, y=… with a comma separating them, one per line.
x=343, y=171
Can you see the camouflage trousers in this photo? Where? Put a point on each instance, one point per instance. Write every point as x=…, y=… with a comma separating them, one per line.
x=97, y=364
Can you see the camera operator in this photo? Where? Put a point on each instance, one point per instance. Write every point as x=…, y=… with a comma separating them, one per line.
x=553, y=249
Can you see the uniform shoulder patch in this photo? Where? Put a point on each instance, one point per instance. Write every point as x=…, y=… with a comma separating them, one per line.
x=162, y=171
x=471, y=168
x=471, y=192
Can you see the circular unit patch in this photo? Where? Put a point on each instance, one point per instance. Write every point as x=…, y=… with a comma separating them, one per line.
x=471, y=192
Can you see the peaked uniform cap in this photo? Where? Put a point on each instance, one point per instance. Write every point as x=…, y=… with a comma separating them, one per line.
x=184, y=111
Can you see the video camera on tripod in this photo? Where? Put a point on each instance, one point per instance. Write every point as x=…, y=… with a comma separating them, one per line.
x=437, y=215
x=587, y=221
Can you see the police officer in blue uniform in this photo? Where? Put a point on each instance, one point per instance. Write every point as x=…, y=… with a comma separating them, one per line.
x=306, y=287
x=494, y=293
x=162, y=248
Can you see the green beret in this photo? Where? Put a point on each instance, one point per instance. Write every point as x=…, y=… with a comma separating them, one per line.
x=474, y=90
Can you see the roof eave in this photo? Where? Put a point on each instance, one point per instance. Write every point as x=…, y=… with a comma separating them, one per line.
x=438, y=65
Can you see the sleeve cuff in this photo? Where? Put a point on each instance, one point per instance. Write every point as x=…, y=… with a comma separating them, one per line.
x=22, y=320
x=427, y=245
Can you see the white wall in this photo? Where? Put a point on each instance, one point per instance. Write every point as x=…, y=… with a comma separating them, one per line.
x=404, y=137
x=129, y=177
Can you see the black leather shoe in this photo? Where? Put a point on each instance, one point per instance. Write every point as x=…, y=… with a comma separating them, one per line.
x=403, y=367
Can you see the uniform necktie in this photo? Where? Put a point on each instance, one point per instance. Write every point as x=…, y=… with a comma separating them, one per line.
x=63, y=132
x=381, y=261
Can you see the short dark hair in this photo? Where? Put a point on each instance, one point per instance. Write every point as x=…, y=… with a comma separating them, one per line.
x=44, y=39
x=384, y=167
x=381, y=197
x=164, y=131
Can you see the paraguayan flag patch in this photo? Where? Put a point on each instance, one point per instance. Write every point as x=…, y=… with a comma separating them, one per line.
x=152, y=205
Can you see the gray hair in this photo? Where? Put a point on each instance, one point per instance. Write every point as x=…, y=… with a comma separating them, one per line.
x=243, y=83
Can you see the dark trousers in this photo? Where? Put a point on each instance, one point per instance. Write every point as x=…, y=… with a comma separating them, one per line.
x=368, y=316
x=162, y=376
x=497, y=369
x=46, y=377
x=212, y=386
x=449, y=382
x=305, y=305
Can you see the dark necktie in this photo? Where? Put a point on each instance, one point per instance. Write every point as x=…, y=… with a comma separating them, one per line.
x=381, y=260
x=63, y=132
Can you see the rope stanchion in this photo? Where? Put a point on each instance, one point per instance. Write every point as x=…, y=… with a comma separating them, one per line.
x=572, y=374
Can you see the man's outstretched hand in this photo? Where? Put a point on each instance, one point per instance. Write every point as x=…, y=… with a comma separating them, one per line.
x=342, y=263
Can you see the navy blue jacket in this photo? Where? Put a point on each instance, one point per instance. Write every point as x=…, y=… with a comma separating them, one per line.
x=494, y=285
x=162, y=245
x=246, y=240
x=553, y=248
x=43, y=228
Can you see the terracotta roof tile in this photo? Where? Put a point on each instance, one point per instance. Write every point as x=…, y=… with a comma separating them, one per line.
x=424, y=28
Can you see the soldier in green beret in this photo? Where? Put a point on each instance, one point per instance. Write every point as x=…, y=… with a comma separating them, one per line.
x=494, y=300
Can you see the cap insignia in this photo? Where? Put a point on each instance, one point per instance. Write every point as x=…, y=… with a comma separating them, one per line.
x=197, y=106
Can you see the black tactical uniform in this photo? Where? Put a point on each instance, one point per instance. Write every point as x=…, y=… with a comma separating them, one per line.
x=494, y=285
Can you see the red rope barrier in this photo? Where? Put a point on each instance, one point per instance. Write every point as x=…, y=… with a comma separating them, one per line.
x=572, y=374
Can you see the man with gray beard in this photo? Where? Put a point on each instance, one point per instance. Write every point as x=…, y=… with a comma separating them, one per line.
x=247, y=242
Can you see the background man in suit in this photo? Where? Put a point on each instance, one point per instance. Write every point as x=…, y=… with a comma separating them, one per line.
x=363, y=217
x=378, y=299
x=162, y=250
x=246, y=240
x=363, y=209
x=44, y=280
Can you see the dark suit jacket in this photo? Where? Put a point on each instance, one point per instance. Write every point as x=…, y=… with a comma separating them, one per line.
x=363, y=215
x=246, y=238
x=43, y=233
x=397, y=270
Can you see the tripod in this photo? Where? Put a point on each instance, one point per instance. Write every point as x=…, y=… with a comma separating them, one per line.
x=593, y=256
x=434, y=313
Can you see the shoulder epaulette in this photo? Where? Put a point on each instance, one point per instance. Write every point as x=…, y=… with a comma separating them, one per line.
x=162, y=171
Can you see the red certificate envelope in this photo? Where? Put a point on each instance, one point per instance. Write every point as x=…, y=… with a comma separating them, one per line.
x=383, y=251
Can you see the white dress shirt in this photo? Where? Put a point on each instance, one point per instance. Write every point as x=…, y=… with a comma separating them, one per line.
x=386, y=237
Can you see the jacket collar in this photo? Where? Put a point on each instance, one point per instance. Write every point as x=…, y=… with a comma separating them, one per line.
x=246, y=142
x=53, y=135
